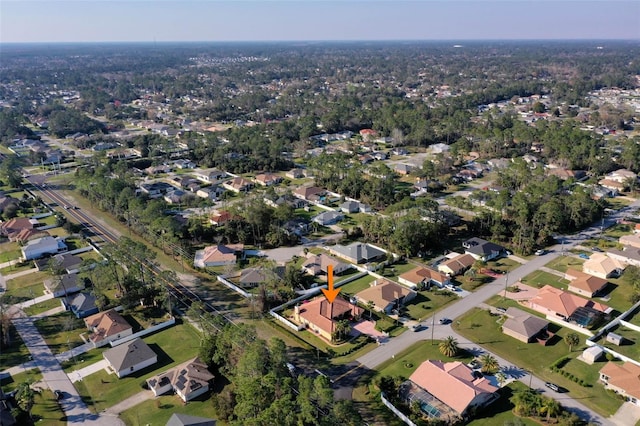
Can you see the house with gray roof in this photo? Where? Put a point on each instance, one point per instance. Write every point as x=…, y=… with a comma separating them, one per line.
x=130, y=357
x=328, y=218
x=63, y=285
x=523, y=326
x=482, y=249
x=358, y=252
x=189, y=380
x=178, y=419
x=82, y=304
x=39, y=247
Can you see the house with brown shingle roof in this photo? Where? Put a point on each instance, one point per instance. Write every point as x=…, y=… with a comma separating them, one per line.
x=16, y=225
x=268, y=179
x=189, y=380
x=418, y=276
x=310, y=193
x=583, y=283
x=522, y=325
x=456, y=265
x=454, y=385
x=107, y=326
x=623, y=379
x=25, y=235
x=386, y=295
x=238, y=185
x=318, y=264
x=321, y=317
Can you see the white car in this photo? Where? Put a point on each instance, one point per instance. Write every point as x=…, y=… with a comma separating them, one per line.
x=540, y=252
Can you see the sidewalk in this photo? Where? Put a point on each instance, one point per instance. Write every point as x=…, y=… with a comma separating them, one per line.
x=78, y=375
x=35, y=301
x=77, y=351
x=129, y=402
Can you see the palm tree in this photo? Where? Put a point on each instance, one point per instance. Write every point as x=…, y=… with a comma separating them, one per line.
x=449, y=347
x=489, y=363
x=550, y=407
x=25, y=397
x=343, y=327
x=370, y=306
x=572, y=339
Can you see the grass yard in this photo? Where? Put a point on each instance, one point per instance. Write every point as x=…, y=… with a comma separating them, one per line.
x=397, y=269
x=61, y=331
x=9, y=251
x=23, y=288
x=358, y=285
x=541, y=278
x=502, y=265
x=173, y=346
x=14, y=354
x=631, y=346
x=11, y=382
x=562, y=263
x=43, y=307
x=47, y=411
x=634, y=318
x=481, y=327
x=472, y=283
x=17, y=267
x=501, y=411
x=618, y=230
x=156, y=412
x=427, y=303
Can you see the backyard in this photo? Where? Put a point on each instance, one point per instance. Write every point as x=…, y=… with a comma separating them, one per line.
x=483, y=328
x=630, y=346
x=173, y=346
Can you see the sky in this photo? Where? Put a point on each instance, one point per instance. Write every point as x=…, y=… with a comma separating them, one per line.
x=304, y=20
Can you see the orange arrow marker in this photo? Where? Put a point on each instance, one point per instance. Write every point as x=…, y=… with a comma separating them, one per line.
x=331, y=292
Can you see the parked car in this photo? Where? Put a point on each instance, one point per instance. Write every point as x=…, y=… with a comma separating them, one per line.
x=540, y=252
x=59, y=395
x=583, y=256
x=598, y=249
x=445, y=320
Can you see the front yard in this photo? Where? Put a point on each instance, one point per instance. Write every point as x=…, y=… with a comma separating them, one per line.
x=483, y=328
x=539, y=279
x=61, y=331
x=173, y=346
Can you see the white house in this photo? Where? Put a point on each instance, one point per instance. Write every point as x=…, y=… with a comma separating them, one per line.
x=188, y=380
x=39, y=247
x=130, y=357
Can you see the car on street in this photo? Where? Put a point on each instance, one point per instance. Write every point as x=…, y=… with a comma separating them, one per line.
x=540, y=252
x=445, y=320
x=552, y=386
x=598, y=249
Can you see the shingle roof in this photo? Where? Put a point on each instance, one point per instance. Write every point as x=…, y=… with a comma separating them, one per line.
x=384, y=292
x=522, y=323
x=129, y=354
x=625, y=376
x=106, y=324
x=583, y=281
x=562, y=302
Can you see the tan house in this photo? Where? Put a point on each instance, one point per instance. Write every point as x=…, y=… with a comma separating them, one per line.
x=631, y=240
x=318, y=264
x=623, y=379
x=603, y=266
x=558, y=303
x=268, y=179
x=523, y=326
x=584, y=284
x=418, y=276
x=453, y=384
x=238, y=185
x=321, y=317
x=219, y=255
x=310, y=193
x=188, y=380
x=386, y=295
x=107, y=326
x=456, y=265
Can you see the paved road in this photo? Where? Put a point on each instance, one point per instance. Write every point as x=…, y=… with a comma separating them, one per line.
x=377, y=356
x=55, y=378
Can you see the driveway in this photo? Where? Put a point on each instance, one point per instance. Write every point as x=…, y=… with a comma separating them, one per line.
x=627, y=414
x=75, y=410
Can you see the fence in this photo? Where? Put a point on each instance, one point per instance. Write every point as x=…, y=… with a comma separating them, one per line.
x=397, y=412
x=233, y=287
x=144, y=332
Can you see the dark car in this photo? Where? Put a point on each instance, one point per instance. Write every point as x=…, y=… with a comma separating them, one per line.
x=445, y=320
x=598, y=249
x=58, y=395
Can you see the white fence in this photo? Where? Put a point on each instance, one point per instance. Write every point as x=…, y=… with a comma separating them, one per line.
x=233, y=287
x=397, y=412
x=144, y=332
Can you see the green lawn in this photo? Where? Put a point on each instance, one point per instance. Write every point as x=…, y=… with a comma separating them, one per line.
x=173, y=346
x=43, y=307
x=61, y=331
x=562, y=263
x=9, y=251
x=426, y=303
x=541, y=278
x=631, y=346
x=358, y=285
x=621, y=289
x=501, y=411
x=19, y=292
x=156, y=412
x=618, y=231
x=84, y=360
x=397, y=269
x=47, y=411
x=503, y=265
x=12, y=382
x=14, y=354
x=481, y=327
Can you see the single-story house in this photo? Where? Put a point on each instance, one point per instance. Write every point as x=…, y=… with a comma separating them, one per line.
x=64, y=284
x=621, y=175
x=39, y=247
x=417, y=276
x=16, y=225
x=626, y=256
x=218, y=255
x=318, y=264
x=210, y=175
x=176, y=196
x=328, y=218
x=554, y=302
x=297, y=226
x=456, y=265
x=287, y=199
x=66, y=262
x=130, y=357
x=321, y=317
x=603, y=266
x=482, y=249
x=189, y=380
x=268, y=179
x=386, y=295
x=523, y=326
x=403, y=169
x=220, y=218
x=107, y=326
x=156, y=189
x=25, y=235
x=210, y=192
x=354, y=207
x=81, y=305
x=238, y=184
x=454, y=385
x=631, y=240
x=584, y=284
x=310, y=193
x=253, y=277
x=178, y=419
x=623, y=379
x=358, y=252
x=295, y=174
